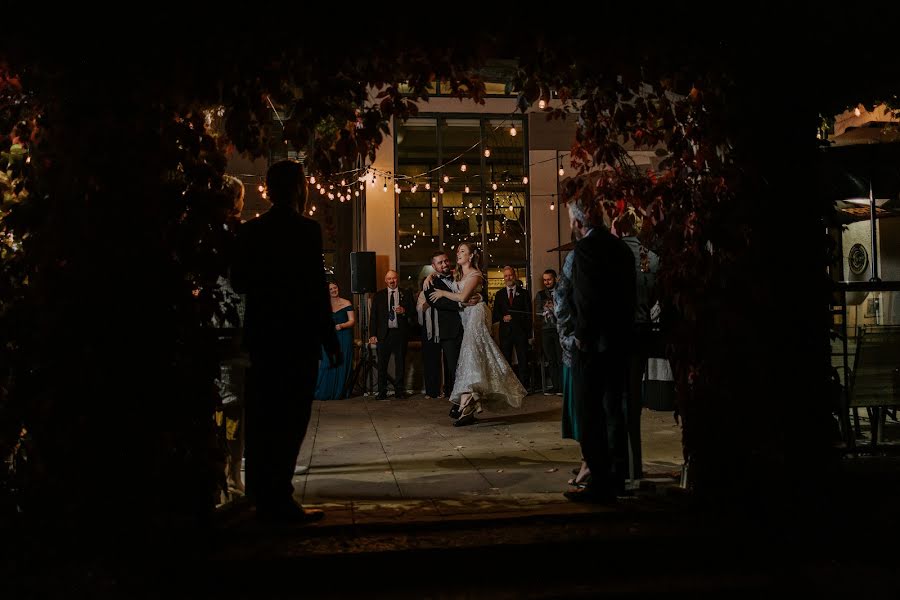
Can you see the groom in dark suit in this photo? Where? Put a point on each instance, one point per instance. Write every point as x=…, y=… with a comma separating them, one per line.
x=389, y=328
x=449, y=324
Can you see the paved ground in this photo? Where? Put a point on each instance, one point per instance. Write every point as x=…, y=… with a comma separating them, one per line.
x=403, y=459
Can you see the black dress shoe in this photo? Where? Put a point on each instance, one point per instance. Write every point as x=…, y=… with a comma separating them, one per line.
x=454, y=412
x=465, y=420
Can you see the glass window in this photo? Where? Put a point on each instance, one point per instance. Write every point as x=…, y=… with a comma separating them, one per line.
x=451, y=192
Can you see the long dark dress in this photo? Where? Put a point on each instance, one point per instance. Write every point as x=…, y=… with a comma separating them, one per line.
x=330, y=385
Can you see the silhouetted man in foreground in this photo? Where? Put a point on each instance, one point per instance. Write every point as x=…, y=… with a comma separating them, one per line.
x=603, y=301
x=288, y=319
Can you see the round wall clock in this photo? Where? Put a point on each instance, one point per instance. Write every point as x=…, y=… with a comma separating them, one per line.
x=858, y=259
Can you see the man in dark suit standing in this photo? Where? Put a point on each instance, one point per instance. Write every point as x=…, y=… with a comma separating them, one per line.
x=449, y=324
x=389, y=328
x=603, y=304
x=278, y=264
x=512, y=309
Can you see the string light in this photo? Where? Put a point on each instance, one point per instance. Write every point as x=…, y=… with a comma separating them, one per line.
x=318, y=186
x=261, y=189
x=512, y=131
x=343, y=183
x=463, y=167
x=487, y=152
x=321, y=191
x=441, y=190
x=414, y=188
x=312, y=179
x=562, y=171
x=385, y=186
x=494, y=186
x=446, y=179
x=542, y=105
x=525, y=180
x=427, y=185
x=467, y=189
x=553, y=205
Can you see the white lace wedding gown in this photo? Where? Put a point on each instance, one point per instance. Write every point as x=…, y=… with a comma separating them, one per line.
x=482, y=369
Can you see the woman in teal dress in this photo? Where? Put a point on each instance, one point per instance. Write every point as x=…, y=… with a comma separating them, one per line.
x=571, y=409
x=332, y=380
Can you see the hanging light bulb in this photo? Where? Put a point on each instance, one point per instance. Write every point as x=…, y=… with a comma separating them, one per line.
x=525, y=180
x=434, y=199
x=441, y=190
x=385, y=186
x=312, y=179
x=321, y=191
x=356, y=193
x=446, y=179
x=494, y=186
x=467, y=189
x=552, y=205
x=261, y=189
x=362, y=186
x=562, y=171
x=331, y=186
x=427, y=185
x=414, y=188
x=542, y=105
x=463, y=167
x=512, y=131
x=318, y=186
x=343, y=183
x=487, y=152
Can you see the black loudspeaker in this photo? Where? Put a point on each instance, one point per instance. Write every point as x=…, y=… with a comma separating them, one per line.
x=362, y=272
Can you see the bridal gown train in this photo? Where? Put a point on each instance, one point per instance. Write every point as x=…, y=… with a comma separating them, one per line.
x=482, y=369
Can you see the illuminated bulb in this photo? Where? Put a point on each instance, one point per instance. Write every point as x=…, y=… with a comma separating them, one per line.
x=331, y=187
x=362, y=186
x=562, y=171
x=385, y=186
x=512, y=131
x=433, y=199
x=441, y=190
x=313, y=208
x=525, y=180
x=310, y=213
x=552, y=205
x=446, y=179
x=321, y=191
x=264, y=195
x=494, y=186
x=487, y=152
x=463, y=167
x=318, y=186
x=467, y=189
x=542, y=105
x=312, y=179
x=356, y=193
x=261, y=189
x=343, y=182
x=414, y=188
x=421, y=213
x=856, y=111
x=428, y=186
x=470, y=205
x=257, y=214
x=331, y=196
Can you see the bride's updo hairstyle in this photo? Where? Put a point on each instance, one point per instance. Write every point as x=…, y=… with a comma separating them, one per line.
x=474, y=261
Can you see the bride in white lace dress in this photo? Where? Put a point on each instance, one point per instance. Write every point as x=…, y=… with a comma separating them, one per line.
x=483, y=377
